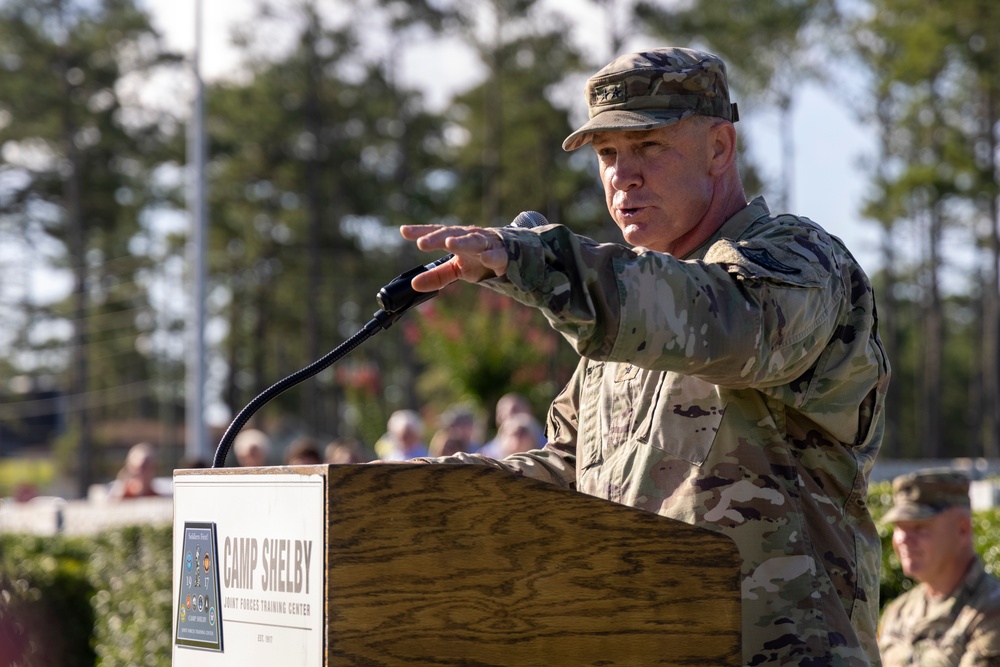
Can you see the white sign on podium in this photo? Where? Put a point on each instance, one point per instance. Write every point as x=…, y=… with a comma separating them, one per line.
x=248, y=569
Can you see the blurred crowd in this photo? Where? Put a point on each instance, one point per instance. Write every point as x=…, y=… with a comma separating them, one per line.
x=407, y=436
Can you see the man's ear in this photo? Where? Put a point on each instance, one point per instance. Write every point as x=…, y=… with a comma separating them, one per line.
x=965, y=524
x=722, y=147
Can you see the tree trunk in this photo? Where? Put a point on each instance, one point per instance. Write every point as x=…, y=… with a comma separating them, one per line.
x=493, y=116
x=314, y=204
x=888, y=323
x=73, y=205
x=933, y=334
x=991, y=291
x=787, y=154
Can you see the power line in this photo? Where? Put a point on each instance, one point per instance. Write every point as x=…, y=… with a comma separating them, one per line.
x=124, y=345
x=113, y=315
x=76, y=402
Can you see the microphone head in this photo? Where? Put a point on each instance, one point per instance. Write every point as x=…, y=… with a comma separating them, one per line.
x=529, y=219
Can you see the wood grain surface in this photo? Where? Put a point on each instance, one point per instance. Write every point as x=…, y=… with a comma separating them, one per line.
x=467, y=565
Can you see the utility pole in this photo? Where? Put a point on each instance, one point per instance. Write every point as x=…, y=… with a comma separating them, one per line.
x=196, y=440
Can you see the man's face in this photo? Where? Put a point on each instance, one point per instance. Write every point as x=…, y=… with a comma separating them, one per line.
x=657, y=183
x=928, y=547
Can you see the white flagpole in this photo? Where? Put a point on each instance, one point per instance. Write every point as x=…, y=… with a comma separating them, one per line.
x=196, y=441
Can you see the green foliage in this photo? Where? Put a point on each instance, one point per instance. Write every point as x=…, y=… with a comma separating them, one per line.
x=962, y=346
x=318, y=152
x=83, y=601
x=76, y=177
x=763, y=42
x=479, y=345
x=931, y=103
x=512, y=160
x=892, y=582
x=45, y=613
x=131, y=572
x=325, y=177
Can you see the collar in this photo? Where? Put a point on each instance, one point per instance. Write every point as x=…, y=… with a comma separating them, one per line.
x=734, y=227
x=973, y=576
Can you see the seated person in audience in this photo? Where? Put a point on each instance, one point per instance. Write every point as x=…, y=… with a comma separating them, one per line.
x=303, y=451
x=460, y=422
x=519, y=433
x=510, y=404
x=445, y=443
x=346, y=450
x=251, y=447
x=135, y=480
x=403, y=439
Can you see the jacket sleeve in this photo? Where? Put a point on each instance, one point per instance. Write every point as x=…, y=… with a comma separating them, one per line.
x=753, y=313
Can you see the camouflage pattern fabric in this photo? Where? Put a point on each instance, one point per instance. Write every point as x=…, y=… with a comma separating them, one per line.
x=962, y=630
x=923, y=494
x=740, y=389
x=649, y=89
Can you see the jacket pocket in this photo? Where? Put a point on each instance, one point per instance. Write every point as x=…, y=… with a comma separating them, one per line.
x=685, y=417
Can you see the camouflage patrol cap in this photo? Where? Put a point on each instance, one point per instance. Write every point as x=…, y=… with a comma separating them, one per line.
x=650, y=89
x=926, y=493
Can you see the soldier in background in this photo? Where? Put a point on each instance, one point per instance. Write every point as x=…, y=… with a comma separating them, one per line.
x=731, y=374
x=952, y=618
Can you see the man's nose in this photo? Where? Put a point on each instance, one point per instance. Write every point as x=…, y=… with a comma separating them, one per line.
x=627, y=173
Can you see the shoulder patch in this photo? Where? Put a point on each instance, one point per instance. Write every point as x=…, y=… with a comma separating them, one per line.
x=766, y=260
x=762, y=257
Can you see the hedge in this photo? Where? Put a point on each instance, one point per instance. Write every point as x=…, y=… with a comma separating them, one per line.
x=103, y=600
x=106, y=600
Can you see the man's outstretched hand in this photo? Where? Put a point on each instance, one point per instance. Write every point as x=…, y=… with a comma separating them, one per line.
x=478, y=254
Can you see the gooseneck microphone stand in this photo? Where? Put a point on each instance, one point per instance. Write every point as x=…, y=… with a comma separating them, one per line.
x=395, y=299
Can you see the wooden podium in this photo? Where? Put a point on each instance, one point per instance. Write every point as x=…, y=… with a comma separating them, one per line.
x=433, y=565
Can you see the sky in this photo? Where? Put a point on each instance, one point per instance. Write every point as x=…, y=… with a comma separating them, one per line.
x=828, y=185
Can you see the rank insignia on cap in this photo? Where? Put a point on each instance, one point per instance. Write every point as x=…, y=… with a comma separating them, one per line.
x=613, y=92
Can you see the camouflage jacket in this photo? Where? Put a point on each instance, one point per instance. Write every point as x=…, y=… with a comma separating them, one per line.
x=962, y=630
x=740, y=389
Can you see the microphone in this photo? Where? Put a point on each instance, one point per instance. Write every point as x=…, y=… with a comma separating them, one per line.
x=398, y=296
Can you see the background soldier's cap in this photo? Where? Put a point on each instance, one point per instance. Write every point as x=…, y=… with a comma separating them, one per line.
x=650, y=89
x=926, y=493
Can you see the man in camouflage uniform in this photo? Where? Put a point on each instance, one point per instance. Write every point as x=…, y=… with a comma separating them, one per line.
x=731, y=375
x=952, y=618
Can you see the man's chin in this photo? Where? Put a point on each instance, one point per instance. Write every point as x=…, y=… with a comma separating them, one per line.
x=635, y=234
